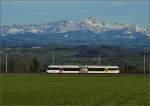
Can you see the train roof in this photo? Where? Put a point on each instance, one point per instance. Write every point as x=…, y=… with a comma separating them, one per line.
x=78, y=66
x=64, y=66
x=98, y=66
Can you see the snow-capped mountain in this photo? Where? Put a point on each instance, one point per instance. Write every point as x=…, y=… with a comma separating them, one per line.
x=92, y=24
x=90, y=30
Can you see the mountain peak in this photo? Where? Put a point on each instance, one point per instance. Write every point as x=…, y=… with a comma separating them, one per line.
x=91, y=23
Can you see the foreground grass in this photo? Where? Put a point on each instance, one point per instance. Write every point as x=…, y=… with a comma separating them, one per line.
x=78, y=90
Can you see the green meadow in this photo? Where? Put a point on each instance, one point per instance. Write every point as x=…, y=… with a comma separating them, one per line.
x=74, y=90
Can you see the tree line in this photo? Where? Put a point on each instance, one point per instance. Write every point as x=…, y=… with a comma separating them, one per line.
x=20, y=64
x=27, y=61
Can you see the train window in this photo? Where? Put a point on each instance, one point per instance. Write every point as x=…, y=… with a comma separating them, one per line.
x=96, y=69
x=113, y=69
x=71, y=69
x=102, y=69
x=53, y=68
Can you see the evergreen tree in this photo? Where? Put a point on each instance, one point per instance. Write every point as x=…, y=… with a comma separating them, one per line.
x=34, y=67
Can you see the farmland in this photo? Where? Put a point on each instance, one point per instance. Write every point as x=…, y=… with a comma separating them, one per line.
x=74, y=90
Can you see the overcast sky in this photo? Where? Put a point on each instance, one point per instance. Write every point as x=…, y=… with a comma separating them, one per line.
x=35, y=12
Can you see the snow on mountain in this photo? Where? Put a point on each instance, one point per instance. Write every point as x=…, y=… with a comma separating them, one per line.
x=95, y=25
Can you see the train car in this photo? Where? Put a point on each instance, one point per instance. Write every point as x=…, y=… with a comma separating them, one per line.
x=63, y=69
x=103, y=69
x=82, y=69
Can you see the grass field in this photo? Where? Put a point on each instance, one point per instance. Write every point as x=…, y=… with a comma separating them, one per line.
x=74, y=90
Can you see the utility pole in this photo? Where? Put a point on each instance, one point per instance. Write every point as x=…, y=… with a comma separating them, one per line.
x=6, y=63
x=0, y=63
x=53, y=57
x=99, y=59
x=149, y=63
x=144, y=63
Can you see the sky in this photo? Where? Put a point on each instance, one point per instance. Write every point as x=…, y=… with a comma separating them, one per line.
x=38, y=11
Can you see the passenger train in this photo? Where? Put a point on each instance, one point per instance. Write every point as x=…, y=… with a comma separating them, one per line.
x=82, y=69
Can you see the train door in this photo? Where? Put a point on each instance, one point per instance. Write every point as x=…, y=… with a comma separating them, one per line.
x=106, y=70
x=83, y=69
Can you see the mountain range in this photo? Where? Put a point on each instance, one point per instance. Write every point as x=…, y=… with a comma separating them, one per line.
x=88, y=31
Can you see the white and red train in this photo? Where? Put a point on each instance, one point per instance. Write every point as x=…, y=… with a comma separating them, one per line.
x=82, y=69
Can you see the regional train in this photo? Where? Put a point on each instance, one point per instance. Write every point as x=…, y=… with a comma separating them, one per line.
x=82, y=69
